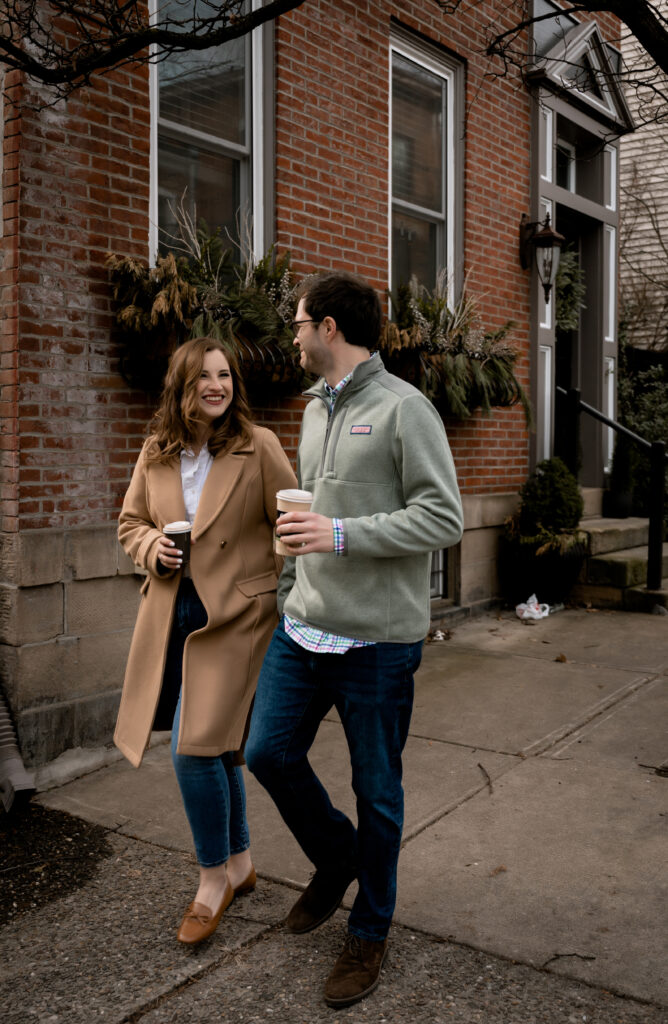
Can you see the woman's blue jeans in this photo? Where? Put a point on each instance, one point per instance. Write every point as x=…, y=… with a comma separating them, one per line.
x=372, y=690
x=212, y=788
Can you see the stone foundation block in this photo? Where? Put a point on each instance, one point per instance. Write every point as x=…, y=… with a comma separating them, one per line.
x=30, y=614
x=124, y=564
x=32, y=558
x=95, y=606
x=91, y=552
x=99, y=662
x=45, y=732
x=69, y=667
x=480, y=545
x=479, y=581
x=479, y=565
x=485, y=510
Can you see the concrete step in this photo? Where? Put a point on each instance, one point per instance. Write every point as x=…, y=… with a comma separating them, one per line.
x=625, y=568
x=615, y=572
x=640, y=599
x=615, y=534
x=632, y=599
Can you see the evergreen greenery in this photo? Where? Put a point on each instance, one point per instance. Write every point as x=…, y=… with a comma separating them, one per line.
x=642, y=403
x=443, y=349
x=206, y=290
x=202, y=287
x=569, y=291
x=550, y=509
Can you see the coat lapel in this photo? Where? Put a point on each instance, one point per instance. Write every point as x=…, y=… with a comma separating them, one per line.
x=219, y=486
x=167, y=492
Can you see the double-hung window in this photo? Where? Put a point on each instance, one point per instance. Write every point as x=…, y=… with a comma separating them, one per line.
x=424, y=162
x=208, y=141
x=426, y=189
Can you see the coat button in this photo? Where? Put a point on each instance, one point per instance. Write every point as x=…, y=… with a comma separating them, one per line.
x=223, y=543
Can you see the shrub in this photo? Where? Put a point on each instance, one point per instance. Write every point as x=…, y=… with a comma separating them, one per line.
x=550, y=500
x=643, y=408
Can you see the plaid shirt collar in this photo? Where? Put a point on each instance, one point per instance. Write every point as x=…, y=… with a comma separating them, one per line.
x=333, y=393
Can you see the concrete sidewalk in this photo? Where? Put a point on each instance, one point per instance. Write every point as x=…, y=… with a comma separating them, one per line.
x=532, y=881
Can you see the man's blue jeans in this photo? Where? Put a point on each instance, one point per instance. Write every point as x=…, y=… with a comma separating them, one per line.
x=212, y=788
x=372, y=690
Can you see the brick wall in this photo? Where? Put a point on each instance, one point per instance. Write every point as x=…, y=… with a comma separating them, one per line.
x=332, y=128
x=332, y=146
x=81, y=170
x=76, y=185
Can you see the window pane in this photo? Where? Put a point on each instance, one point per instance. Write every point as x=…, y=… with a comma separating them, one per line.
x=565, y=166
x=212, y=184
x=418, y=125
x=413, y=250
x=438, y=586
x=206, y=91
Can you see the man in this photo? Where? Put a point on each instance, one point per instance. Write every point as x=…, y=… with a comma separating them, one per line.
x=355, y=602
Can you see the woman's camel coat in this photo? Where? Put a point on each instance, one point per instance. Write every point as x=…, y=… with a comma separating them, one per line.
x=234, y=571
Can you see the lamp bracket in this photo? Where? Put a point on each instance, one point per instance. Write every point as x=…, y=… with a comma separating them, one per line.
x=528, y=229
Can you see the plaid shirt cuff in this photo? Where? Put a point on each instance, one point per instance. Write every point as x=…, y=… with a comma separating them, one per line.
x=339, y=537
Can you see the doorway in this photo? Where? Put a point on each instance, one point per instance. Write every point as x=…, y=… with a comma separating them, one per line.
x=577, y=338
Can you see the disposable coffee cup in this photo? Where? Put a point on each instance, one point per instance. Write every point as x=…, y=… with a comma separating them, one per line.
x=290, y=500
x=179, y=532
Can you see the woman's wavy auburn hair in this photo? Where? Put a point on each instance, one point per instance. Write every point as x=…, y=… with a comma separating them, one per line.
x=175, y=424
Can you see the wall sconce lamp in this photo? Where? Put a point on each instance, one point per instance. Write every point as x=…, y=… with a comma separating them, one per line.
x=546, y=245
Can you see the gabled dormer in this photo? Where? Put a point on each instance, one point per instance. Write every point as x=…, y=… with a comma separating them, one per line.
x=571, y=58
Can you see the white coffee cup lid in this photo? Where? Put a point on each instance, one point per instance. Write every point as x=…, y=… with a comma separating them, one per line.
x=294, y=494
x=177, y=527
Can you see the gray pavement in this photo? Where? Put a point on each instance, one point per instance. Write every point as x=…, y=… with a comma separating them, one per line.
x=532, y=881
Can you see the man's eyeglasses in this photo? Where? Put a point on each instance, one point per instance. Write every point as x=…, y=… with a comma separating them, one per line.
x=295, y=326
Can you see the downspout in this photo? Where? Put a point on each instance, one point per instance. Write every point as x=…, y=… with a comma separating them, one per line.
x=15, y=781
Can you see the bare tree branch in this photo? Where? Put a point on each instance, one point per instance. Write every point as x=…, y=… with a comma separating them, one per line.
x=63, y=42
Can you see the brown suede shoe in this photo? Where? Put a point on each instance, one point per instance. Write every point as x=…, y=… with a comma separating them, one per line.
x=356, y=972
x=199, y=923
x=248, y=884
x=317, y=903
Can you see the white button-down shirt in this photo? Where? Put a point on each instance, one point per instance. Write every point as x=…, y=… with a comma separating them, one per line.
x=194, y=471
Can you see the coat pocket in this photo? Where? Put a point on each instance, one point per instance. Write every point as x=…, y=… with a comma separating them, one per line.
x=262, y=584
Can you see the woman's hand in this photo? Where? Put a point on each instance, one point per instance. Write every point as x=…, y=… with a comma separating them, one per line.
x=304, y=532
x=169, y=556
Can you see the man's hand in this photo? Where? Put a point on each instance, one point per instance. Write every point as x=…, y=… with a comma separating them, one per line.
x=303, y=532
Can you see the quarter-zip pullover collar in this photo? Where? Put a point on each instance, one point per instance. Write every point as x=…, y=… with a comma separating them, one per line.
x=356, y=378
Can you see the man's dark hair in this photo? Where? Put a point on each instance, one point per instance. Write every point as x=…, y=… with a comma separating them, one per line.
x=352, y=303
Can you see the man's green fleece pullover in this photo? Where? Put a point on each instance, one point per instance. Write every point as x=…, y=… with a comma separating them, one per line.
x=381, y=463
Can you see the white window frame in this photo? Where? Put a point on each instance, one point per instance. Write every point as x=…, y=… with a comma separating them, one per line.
x=547, y=171
x=252, y=196
x=610, y=283
x=546, y=371
x=447, y=70
x=610, y=156
x=569, y=149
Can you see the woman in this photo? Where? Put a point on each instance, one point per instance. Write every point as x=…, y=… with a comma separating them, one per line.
x=202, y=629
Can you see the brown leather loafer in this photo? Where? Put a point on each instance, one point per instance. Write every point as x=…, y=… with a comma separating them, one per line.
x=356, y=973
x=317, y=903
x=247, y=885
x=199, y=923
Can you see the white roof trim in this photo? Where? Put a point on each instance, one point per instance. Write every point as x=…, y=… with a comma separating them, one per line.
x=579, y=45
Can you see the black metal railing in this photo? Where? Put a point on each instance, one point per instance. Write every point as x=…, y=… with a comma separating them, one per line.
x=657, y=458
